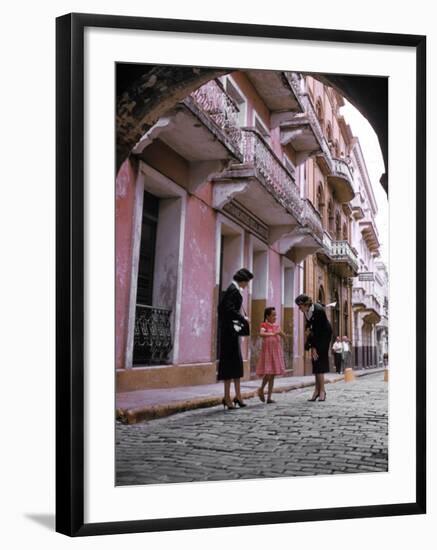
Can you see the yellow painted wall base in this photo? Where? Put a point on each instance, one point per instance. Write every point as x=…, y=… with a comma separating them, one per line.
x=166, y=376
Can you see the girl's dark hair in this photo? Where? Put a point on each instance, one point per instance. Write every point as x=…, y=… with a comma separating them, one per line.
x=268, y=311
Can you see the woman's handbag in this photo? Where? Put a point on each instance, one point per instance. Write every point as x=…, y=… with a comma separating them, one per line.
x=241, y=326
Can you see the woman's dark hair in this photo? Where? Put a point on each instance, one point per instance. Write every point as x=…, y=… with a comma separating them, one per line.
x=243, y=275
x=303, y=299
x=268, y=311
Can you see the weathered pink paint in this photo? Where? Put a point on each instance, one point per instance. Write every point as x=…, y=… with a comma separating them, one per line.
x=124, y=208
x=198, y=282
x=275, y=282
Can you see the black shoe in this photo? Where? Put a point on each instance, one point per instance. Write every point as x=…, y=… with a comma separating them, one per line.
x=239, y=403
x=324, y=397
x=271, y=401
x=314, y=398
x=226, y=405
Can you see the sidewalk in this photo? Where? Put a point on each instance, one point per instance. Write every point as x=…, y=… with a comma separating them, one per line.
x=135, y=406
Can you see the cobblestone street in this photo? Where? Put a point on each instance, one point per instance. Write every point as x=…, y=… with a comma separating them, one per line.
x=292, y=437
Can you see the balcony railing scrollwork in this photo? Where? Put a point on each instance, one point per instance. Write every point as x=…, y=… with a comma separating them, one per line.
x=312, y=219
x=152, y=335
x=212, y=99
x=276, y=177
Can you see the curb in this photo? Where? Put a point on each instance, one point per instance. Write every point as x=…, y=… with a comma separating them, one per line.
x=139, y=414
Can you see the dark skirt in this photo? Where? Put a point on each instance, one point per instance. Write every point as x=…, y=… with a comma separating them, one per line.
x=322, y=364
x=230, y=360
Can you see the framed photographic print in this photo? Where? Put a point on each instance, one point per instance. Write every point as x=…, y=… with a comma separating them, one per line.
x=214, y=178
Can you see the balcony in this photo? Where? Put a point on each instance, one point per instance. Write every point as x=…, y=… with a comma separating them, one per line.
x=340, y=256
x=261, y=184
x=358, y=298
x=370, y=236
x=312, y=220
x=341, y=180
x=276, y=92
x=303, y=130
x=202, y=129
x=152, y=336
x=367, y=304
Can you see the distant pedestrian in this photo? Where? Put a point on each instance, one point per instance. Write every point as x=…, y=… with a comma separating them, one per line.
x=231, y=325
x=271, y=359
x=347, y=352
x=337, y=350
x=318, y=333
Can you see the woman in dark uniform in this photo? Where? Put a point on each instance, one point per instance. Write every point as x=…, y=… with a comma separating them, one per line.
x=318, y=332
x=230, y=360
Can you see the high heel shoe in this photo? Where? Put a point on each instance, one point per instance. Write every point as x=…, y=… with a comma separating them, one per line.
x=324, y=397
x=314, y=397
x=261, y=395
x=226, y=405
x=239, y=403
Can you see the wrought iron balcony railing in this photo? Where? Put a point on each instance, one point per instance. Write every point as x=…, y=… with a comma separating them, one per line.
x=341, y=167
x=358, y=296
x=342, y=249
x=212, y=99
x=312, y=219
x=152, y=336
x=300, y=90
x=340, y=252
x=279, y=181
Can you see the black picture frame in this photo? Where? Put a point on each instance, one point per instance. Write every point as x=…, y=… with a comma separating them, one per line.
x=70, y=273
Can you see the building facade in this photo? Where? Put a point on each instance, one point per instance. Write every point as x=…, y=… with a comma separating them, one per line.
x=249, y=170
x=366, y=300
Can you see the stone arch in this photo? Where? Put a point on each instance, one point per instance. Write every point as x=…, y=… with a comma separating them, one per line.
x=145, y=93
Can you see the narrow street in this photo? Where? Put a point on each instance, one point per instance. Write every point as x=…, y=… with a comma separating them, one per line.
x=292, y=437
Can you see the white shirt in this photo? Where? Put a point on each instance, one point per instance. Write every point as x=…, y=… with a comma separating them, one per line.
x=346, y=346
x=308, y=314
x=338, y=347
x=236, y=284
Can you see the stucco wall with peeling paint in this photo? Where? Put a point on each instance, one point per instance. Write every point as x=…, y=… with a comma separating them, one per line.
x=124, y=208
x=197, y=312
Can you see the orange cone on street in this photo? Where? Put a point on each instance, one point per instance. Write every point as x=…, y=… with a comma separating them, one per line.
x=349, y=375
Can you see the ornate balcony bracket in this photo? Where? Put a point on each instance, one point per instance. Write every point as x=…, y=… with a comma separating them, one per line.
x=282, y=235
x=289, y=135
x=165, y=123
x=288, y=242
x=204, y=171
x=279, y=118
x=224, y=192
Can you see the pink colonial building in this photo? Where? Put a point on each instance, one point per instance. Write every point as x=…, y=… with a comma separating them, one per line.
x=240, y=173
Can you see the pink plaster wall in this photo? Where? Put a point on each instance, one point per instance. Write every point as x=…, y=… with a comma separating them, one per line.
x=198, y=311
x=124, y=207
x=275, y=282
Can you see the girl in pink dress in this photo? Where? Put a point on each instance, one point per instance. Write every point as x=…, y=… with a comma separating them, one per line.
x=271, y=359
